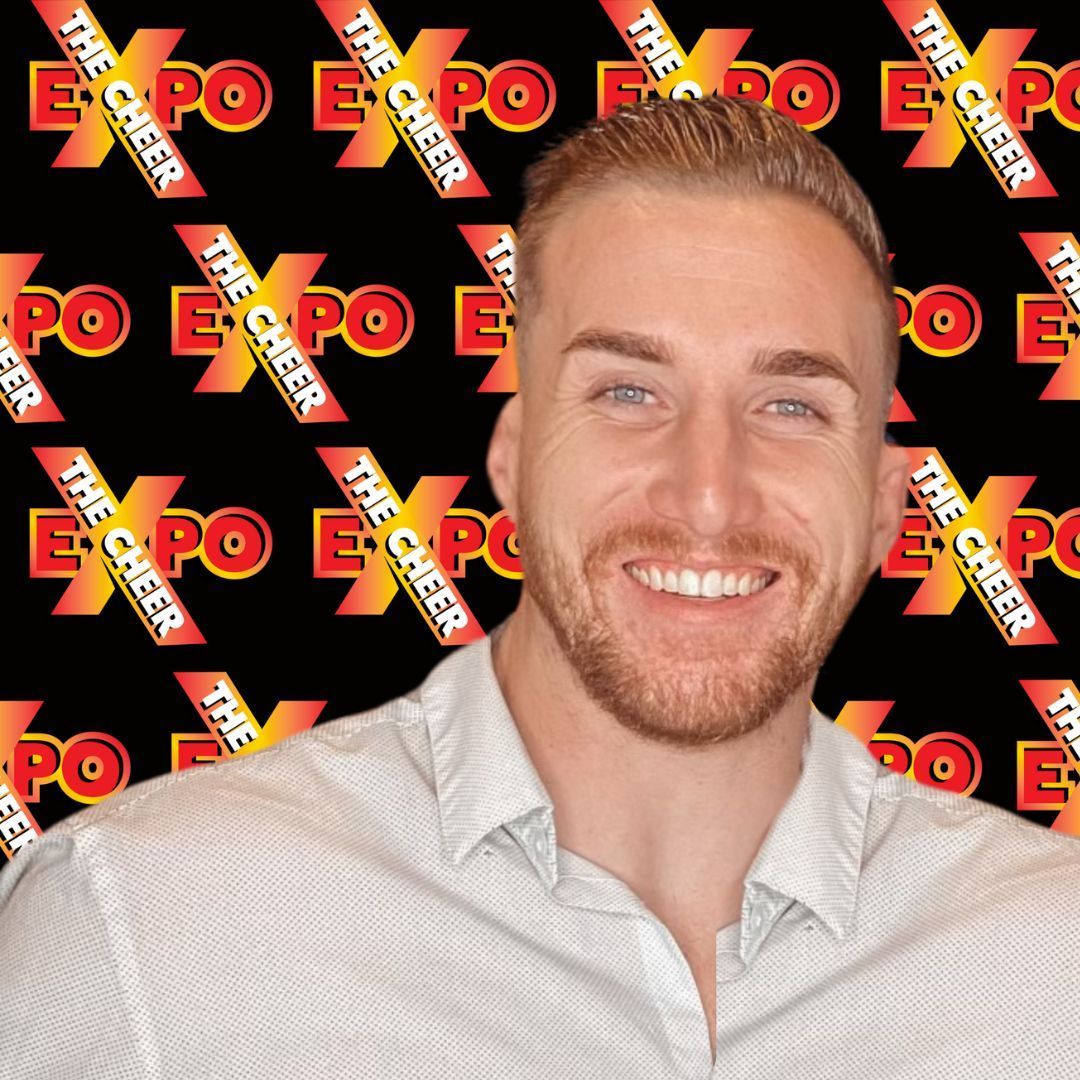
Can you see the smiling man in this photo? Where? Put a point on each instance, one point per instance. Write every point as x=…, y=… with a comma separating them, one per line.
x=697, y=468
x=696, y=462
x=614, y=838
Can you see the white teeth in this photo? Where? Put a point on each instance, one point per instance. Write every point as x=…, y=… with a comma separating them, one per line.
x=712, y=584
x=689, y=582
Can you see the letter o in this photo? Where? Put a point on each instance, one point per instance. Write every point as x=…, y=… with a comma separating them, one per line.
x=520, y=95
x=93, y=766
x=236, y=95
x=94, y=320
x=947, y=760
x=235, y=542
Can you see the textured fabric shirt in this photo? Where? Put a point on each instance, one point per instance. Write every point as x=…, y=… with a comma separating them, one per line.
x=383, y=896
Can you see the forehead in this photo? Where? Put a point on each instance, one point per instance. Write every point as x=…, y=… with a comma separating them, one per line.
x=706, y=270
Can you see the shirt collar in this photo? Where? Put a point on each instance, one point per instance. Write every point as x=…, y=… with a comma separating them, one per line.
x=485, y=778
x=813, y=850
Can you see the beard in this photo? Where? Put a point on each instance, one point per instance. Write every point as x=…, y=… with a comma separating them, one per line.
x=717, y=684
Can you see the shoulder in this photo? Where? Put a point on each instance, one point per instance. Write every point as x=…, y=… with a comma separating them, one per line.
x=928, y=837
x=925, y=829
x=944, y=811
x=342, y=773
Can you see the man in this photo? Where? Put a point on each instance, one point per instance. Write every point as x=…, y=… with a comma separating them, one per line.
x=613, y=839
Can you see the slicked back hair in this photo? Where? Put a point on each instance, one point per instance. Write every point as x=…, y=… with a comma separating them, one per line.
x=717, y=144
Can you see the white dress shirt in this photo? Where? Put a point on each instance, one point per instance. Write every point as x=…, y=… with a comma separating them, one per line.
x=383, y=897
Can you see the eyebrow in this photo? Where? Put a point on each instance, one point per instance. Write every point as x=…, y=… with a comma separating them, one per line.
x=805, y=363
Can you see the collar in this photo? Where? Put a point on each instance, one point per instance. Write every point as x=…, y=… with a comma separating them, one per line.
x=485, y=778
x=813, y=850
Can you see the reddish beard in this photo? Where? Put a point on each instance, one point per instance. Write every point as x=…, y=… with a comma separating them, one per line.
x=698, y=699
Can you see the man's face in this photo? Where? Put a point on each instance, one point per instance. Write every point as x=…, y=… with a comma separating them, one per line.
x=742, y=454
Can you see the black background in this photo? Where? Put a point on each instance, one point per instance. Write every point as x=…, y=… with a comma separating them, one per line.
x=278, y=190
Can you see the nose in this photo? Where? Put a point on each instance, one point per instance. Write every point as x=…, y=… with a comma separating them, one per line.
x=707, y=482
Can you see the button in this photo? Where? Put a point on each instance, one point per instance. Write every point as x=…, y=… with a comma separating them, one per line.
x=729, y=965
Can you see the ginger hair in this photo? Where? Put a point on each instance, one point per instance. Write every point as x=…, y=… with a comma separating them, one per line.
x=717, y=144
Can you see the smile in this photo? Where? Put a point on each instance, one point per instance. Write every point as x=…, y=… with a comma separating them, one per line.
x=714, y=584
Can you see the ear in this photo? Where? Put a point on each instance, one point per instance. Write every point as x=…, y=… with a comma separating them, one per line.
x=894, y=470
x=503, y=454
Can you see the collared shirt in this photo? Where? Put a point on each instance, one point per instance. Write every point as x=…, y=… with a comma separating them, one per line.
x=383, y=896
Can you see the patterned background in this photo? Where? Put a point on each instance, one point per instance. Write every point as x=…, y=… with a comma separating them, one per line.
x=91, y=703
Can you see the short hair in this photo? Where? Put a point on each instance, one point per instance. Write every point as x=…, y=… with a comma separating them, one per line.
x=727, y=145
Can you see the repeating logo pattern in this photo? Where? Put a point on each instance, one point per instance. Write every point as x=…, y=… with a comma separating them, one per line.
x=347, y=251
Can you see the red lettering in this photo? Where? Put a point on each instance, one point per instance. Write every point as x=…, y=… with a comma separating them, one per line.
x=520, y=95
x=1025, y=89
x=1037, y=342
x=34, y=313
x=93, y=767
x=746, y=83
x=236, y=542
x=55, y=99
x=177, y=536
x=459, y=90
x=175, y=91
x=805, y=91
x=908, y=105
x=502, y=545
x=198, y=326
x=619, y=83
x=339, y=98
x=318, y=314
x=1065, y=543
x=58, y=546
x=1029, y=535
x=340, y=550
x=460, y=538
x=236, y=96
x=34, y=761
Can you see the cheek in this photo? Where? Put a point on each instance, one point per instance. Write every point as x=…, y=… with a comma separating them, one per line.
x=570, y=433
x=828, y=497
x=579, y=467
x=837, y=474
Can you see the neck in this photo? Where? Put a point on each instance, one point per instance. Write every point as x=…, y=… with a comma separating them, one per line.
x=689, y=820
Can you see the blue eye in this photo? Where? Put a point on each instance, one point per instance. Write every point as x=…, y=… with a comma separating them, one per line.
x=792, y=408
x=638, y=397
x=787, y=411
